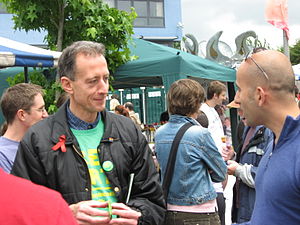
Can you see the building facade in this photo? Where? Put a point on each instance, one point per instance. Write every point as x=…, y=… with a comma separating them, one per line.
x=159, y=21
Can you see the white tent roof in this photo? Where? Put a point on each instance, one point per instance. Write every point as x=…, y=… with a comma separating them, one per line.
x=296, y=69
x=13, y=53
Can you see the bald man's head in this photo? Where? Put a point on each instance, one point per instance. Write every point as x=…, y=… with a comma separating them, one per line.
x=264, y=81
x=280, y=76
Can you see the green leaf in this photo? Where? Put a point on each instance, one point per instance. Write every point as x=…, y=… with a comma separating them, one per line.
x=82, y=20
x=92, y=32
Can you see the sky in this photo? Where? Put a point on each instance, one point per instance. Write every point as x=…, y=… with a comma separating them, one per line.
x=204, y=18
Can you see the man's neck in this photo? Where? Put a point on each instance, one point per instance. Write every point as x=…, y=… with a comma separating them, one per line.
x=276, y=122
x=210, y=103
x=15, y=132
x=88, y=117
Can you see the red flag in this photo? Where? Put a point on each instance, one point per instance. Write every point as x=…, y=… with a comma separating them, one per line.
x=277, y=14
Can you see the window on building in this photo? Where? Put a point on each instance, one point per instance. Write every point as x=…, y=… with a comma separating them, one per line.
x=2, y=9
x=150, y=12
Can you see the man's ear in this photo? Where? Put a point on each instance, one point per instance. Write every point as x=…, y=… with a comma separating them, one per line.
x=66, y=84
x=21, y=114
x=261, y=96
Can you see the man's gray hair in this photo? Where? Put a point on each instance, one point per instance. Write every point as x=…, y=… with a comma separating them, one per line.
x=129, y=105
x=67, y=60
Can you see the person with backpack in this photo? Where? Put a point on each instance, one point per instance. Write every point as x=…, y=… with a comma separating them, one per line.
x=191, y=196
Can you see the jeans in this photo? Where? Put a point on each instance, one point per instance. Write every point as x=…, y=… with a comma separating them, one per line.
x=186, y=218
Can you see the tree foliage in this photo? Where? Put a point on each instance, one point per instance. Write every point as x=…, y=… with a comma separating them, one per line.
x=295, y=53
x=50, y=87
x=67, y=21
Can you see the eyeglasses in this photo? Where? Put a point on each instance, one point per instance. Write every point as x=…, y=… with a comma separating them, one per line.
x=249, y=56
x=42, y=110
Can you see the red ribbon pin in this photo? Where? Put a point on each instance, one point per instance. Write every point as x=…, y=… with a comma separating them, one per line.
x=60, y=144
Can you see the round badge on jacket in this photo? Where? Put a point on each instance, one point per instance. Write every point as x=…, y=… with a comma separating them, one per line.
x=107, y=166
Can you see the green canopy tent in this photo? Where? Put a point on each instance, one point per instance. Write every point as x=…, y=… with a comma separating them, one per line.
x=161, y=65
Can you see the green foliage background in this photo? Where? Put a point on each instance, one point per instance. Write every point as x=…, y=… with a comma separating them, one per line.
x=49, y=86
x=67, y=21
x=295, y=53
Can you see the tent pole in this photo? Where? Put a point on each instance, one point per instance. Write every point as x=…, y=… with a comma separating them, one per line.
x=26, y=74
x=233, y=115
x=121, y=95
x=286, y=49
x=144, y=104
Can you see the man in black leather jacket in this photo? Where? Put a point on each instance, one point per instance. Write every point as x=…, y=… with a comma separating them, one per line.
x=94, y=158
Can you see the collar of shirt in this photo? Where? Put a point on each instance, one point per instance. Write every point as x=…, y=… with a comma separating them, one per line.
x=78, y=124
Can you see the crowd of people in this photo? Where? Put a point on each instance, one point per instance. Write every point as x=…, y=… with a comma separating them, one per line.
x=126, y=110
x=100, y=167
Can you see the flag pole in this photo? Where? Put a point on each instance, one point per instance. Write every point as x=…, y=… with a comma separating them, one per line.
x=286, y=49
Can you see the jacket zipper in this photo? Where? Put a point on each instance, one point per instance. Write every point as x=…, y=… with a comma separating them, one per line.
x=114, y=186
x=79, y=153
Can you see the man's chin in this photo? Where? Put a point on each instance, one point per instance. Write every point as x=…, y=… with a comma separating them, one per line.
x=100, y=109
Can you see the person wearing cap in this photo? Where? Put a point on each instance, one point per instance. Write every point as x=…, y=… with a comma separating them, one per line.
x=99, y=161
x=249, y=153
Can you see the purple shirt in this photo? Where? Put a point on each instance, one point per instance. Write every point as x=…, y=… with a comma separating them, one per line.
x=8, y=151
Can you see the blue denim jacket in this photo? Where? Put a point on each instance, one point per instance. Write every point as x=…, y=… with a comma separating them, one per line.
x=198, y=162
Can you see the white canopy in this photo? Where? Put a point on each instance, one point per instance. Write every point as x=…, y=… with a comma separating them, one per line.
x=13, y=53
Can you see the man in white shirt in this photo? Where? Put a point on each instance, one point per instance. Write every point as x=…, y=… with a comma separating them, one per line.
x=216, y=94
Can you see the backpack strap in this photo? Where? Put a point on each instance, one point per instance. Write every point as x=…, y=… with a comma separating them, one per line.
x=172, y=158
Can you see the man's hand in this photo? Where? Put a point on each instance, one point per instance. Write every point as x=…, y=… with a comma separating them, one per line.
x=227, y=153
x=232, y=165
x=126, y=215
x=87, y=212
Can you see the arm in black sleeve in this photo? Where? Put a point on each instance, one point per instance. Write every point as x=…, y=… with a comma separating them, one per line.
x=27, y=164
x=147, y=195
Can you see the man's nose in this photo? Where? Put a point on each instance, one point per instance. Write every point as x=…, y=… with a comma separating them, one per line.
x=102, y=86
x=237, y=97
x=45, y=114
